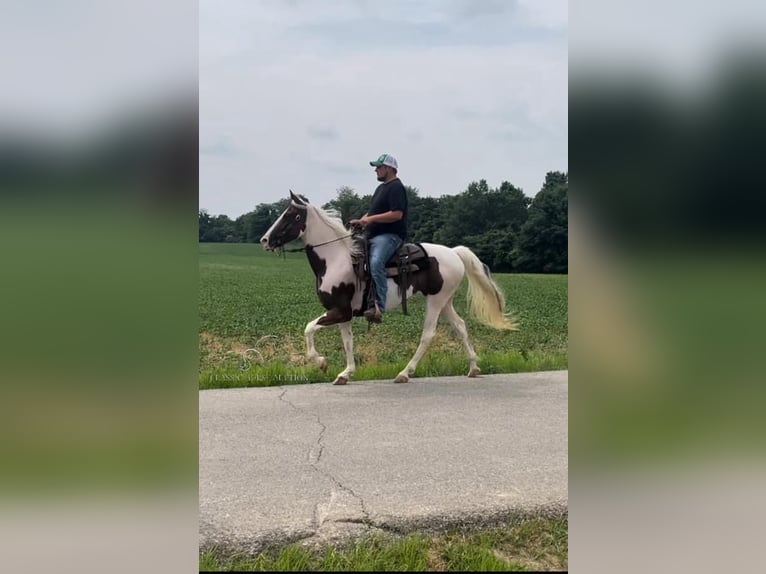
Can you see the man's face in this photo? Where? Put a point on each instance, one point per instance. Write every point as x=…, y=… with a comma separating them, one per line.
x=382, y=172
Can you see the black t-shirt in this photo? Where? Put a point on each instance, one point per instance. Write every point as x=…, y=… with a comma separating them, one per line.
x=389, y=196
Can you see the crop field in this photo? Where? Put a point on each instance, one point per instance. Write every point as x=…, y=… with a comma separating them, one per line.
x=255, y=305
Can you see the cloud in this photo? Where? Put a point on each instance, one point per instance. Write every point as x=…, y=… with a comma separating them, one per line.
x=323, y=133
x=494, y=8
x=309, y=109
x=220, y=148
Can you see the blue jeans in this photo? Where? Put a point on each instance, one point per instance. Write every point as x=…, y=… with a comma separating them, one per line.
x=382, y=248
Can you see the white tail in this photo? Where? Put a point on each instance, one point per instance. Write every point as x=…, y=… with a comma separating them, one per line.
x=485, y=299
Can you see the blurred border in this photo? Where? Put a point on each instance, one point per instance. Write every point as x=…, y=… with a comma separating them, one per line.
x=98, y=208
x=667, y=281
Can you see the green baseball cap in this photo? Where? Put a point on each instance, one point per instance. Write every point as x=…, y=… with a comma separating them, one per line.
x=385, y=159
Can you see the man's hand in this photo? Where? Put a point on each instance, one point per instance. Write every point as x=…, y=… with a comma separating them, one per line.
x=363, y=222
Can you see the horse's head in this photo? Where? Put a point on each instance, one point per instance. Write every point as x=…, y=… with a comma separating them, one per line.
x=289, y=226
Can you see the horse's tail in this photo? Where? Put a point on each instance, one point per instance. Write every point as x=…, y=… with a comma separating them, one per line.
x=485, y=299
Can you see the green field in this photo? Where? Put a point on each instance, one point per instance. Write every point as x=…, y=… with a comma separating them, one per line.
x=253, y=299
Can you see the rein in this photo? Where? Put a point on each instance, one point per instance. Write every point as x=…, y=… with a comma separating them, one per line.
x=298, y=250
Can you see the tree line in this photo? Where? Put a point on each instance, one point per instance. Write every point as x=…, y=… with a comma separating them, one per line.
x=507, y=230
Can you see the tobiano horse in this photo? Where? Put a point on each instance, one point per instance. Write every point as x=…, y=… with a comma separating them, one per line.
x=330, y=250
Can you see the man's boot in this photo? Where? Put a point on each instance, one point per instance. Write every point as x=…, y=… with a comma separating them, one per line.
x=373, y=315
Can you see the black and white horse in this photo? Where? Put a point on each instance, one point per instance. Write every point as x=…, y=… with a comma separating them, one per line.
x=329, y=248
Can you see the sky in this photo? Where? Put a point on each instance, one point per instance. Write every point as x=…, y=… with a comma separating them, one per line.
x=301, y=95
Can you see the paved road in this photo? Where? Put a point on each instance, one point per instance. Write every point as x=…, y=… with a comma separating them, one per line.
x=322, y=462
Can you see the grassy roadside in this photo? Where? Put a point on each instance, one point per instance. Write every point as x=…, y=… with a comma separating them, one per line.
x=539, y=544
x=433, y=365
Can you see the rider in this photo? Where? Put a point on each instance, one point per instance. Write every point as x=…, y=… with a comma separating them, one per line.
x=386, y=224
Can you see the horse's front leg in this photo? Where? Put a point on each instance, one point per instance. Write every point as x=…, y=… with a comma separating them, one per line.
x=311, y=351
x=332, y=317
x=348, y=346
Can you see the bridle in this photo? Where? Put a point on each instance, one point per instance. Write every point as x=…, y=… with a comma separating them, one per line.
x=301, y=249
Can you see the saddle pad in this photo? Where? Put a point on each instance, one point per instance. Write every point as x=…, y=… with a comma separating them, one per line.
x=411, y=252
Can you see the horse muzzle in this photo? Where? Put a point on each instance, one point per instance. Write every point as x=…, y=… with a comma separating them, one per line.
x=272, y=243
x=267, y=244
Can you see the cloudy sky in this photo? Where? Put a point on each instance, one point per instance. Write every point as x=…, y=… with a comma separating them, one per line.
x=301, y=95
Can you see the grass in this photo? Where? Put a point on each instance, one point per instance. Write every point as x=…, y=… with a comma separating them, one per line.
x=533, y=545
x=250, y=299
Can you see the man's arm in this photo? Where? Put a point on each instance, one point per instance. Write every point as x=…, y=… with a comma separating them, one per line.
x=387, y=217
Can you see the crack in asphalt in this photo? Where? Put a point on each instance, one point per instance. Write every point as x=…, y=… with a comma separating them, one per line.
x=319, y=442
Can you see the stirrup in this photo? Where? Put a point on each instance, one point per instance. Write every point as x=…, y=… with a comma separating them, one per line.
x=373, y=314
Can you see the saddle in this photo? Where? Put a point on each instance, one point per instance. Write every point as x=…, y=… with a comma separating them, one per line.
x=410, y=258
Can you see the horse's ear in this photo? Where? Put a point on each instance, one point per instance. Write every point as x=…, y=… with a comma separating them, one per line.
x=296, y=199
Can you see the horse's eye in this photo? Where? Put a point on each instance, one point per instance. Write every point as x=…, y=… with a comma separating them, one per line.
x=298, y=217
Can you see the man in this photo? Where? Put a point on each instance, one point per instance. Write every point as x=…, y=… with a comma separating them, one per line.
x=386, y=224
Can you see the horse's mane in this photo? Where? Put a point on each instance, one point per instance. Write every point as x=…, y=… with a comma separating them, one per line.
x=332, y=219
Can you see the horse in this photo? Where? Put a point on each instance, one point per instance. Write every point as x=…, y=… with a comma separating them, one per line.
x=330, y=250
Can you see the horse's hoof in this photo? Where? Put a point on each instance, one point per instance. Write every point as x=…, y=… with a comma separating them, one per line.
x=402, y=379
x=340, y=381
x=475, y=372
x=323, y=364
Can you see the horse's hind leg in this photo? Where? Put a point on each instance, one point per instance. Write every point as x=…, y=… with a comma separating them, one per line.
x=459, y=325
x=434, y=305
x=348, y=346
x=311, y=352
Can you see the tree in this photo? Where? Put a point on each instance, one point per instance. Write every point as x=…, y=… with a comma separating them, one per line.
x=225, y=229
x=505, y=228
x=204, y=224
x=347, y=203
x=511, y=204
x=214, y=229
x=444, y=233
x=423, y=218
x=543, y=241
x=455, y=221
x=484, y=219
